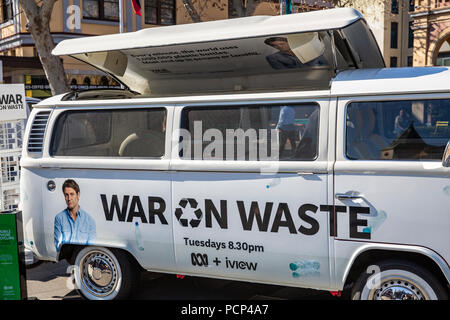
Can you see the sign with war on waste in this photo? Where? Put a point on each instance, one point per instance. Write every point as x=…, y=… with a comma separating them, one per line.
x=12, y=102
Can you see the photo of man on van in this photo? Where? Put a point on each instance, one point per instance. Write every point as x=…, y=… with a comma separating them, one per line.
x=285, y=58
x=73, y=225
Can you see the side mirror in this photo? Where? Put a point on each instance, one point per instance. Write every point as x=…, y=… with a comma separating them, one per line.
x=446, y=156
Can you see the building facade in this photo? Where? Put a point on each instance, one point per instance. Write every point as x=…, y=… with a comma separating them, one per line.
x=83, y=18
x=391, y=25
x=431, y=32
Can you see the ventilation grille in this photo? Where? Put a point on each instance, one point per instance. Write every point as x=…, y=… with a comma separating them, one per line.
x=36, y=138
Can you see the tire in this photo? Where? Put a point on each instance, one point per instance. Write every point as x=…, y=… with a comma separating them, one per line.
x=398, y=280
x=104, y=274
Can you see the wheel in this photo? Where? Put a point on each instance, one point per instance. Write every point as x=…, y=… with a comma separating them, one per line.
x=104, y=274
x=398, y=280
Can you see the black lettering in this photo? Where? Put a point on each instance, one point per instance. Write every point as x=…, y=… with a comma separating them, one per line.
x=136, y=202
x=355, y=222
x=109, y=211
x=18, y=98
x=308, y=219
x=221, y=218
x=283, y=210
x=4, y=99
x=247, y=222
x=333, y=211
x=152, y=211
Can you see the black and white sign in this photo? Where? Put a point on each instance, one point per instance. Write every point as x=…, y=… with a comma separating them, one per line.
x=12, y=102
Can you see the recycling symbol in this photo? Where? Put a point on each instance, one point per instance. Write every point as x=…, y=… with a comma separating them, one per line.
x=197, y=212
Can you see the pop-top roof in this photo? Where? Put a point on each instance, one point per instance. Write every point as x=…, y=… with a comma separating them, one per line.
x=300, y=51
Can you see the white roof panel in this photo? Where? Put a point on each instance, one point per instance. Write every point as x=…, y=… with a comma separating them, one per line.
x=220, y=30
x=297, y=51
x=391, y=81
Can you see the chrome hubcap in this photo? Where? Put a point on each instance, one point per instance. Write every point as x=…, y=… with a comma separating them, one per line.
x=398, y=290
x=98, y=273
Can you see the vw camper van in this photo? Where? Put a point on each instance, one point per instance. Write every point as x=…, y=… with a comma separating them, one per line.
x=275, y=150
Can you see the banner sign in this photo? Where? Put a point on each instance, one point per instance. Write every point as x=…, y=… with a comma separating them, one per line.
x=12, y=102
x=9, y=259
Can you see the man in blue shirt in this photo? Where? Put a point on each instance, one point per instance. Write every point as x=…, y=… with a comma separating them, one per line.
x=285, y=58
x=73, y=225
x=287, y=130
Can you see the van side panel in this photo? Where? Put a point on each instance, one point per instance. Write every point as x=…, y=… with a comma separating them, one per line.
x=124, y=200
x=390, y=186
x=122, y=204
x=235, y=220
x=32, y=214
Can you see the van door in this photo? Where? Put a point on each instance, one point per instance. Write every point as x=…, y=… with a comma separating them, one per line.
x=244, y=210
x=119, y=157
x=390, y=185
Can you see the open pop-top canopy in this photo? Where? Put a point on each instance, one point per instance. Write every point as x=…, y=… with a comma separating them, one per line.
x=298, y=51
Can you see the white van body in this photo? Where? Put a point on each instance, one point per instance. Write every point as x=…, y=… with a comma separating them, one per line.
x=320, y=222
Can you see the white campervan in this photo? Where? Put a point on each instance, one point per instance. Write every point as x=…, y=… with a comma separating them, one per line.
x=275, y=150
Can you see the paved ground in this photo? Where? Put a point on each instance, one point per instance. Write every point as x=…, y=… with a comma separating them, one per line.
x=50, y=281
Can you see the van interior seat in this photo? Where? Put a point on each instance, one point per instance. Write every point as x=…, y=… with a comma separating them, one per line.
x=365, y=142
x=145, y=143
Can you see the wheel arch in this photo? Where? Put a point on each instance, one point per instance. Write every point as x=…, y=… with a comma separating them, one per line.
x=370, y=255
x=69, y=252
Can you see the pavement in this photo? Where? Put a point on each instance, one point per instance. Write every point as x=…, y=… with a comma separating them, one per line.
x=51, y=281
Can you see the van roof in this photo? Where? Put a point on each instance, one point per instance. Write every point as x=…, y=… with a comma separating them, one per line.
x=219, y=30
x=234, y=54
x=364, y=82
x=391, y=81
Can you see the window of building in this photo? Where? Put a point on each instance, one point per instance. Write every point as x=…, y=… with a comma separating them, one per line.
x=251, y=133
x=7, y=12
x=136, y=133
x=398, y=130
x=411, y=5
x=443, y=59
x=101, y=9
x=159, y=12
x=442, y=3
x=411, y=34
x=394, y=35
x=410, y=61
x=394, y=7
x=393, y=62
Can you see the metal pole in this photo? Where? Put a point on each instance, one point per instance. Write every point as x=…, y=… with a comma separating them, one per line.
x=121, y=15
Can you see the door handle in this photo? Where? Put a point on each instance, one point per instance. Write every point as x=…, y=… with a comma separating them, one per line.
x=348, y=196
x=310, y=173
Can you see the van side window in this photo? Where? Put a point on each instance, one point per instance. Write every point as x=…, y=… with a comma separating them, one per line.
x=269, y=132
x=110, y=133
x=398, y=130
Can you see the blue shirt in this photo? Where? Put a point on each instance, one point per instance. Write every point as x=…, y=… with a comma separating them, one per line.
x=287, y=118
x=282, y=60
x=80, y=231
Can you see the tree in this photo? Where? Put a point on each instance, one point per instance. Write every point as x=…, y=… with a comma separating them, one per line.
x=239, y=8
x=38, y=16
x=193, y=13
